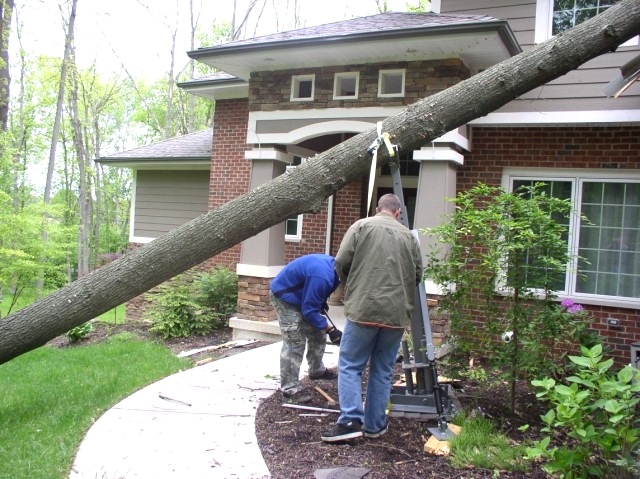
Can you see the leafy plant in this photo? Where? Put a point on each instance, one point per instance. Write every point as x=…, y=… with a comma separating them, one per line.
x=187, y=306
x=79, y=332
x=218, y=290
x=498, y=262
x=174, y=313
x=597, y=411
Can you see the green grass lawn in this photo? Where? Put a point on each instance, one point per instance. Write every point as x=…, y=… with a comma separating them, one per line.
x=50, y=397
x=114, y=316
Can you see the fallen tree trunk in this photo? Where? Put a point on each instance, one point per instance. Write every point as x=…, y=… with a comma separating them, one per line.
x=305, y=189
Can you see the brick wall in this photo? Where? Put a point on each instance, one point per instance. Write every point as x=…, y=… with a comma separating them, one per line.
x=269, y=91
x=230, y=171
x=560, y=147
x=347, y=208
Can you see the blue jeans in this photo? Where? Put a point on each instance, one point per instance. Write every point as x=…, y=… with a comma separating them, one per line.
x=378, y=346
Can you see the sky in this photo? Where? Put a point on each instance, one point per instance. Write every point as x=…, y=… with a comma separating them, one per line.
x=137, y=33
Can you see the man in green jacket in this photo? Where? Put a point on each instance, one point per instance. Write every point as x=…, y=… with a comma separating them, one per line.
x=379, y=262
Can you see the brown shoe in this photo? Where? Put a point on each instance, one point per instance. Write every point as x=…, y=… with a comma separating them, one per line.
x=300, y=397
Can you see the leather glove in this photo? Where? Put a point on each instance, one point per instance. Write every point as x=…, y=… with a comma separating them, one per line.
x=335, y=335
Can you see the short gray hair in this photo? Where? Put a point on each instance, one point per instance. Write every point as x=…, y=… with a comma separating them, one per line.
x=389, y=202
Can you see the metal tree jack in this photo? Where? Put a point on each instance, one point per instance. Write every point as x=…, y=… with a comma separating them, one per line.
x=422, y=397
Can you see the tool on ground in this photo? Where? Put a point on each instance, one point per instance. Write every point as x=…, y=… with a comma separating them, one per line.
x=310, y=408
x=423, y=398
x=330, y=400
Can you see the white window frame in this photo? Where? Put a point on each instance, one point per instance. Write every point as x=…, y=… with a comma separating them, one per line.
x=337, y=80
x=295, y=87
x=296, y=238
x=576, y=177
x=382, y=82
x=544, y=24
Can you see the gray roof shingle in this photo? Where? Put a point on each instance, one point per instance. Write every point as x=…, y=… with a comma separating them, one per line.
x=390, y=22
x=193, y=146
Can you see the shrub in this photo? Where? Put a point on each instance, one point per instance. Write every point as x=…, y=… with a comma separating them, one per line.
x=498, y=261
x=175, y=314
x=79, y=332
x=597, y=412
x=186, y=306
x=218, y=290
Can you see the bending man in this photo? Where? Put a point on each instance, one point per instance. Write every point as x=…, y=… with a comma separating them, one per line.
x=299, y=294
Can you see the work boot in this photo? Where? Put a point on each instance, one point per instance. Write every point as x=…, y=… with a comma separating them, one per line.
x=299, y=397
x=327, y=374
x=341, y=432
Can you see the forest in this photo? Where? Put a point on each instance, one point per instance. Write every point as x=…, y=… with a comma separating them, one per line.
x=62, y=214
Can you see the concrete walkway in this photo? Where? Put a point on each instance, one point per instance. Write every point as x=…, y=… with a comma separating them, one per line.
x=196, y=424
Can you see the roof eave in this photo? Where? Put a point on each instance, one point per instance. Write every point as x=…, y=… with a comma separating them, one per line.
x=502, y=26
x=157, y=163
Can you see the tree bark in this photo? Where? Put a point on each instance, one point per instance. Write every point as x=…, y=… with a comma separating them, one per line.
x=6, y=12
x=305, y=188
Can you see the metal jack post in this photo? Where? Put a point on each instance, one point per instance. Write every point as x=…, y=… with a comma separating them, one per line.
x=422, y=397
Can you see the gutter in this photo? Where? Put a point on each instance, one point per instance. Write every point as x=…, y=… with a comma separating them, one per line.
x=501, y=26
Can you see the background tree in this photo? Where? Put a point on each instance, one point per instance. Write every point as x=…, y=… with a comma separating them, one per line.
x=306, y=188
x=6, y=14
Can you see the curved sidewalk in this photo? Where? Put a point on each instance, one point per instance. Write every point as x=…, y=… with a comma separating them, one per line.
x=199, y=423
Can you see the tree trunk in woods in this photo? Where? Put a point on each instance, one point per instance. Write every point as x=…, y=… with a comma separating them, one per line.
x=6, y=10
x=85, y=199
x=68, y=43
x=306, y=187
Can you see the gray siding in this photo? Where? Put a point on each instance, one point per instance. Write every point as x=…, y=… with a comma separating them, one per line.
x=580, y=90
x=521, y=14
x=168, y=199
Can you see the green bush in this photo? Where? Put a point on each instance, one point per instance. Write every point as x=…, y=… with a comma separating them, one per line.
x=498, y=260
x=597, y=412
x=79, y=332
x=218, y=290
x=189, y=306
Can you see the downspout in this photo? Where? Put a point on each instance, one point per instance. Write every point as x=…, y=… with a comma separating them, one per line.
x=327, y=248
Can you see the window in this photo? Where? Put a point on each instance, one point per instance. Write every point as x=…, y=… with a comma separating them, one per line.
x=345, y=85
x=391, y=83
x=556, y=16
x=302, y=87
x=293, y=228
x=606, y=246
x=293, y=225
x=569, y=13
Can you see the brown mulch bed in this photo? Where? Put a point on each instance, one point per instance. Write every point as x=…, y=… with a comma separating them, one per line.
x=291, y=445
x=290, y=438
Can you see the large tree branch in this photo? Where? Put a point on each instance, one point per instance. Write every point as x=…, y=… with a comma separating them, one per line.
x=305, y=188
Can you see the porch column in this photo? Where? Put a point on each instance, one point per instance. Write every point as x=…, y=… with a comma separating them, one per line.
x=437, y=181
x=261, y=257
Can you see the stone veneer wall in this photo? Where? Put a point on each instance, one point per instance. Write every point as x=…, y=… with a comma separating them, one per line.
x=253, y=299
x=550, y=147
x=270, y=91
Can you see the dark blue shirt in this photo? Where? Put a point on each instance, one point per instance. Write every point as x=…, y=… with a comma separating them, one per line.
x=307, y=282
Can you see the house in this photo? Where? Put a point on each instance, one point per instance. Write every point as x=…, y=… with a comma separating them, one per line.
x=284, y=97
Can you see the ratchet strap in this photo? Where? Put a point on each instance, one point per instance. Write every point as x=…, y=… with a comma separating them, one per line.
x=373, y=151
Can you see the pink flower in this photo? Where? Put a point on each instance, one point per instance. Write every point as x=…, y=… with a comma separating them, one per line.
x=570, y=307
